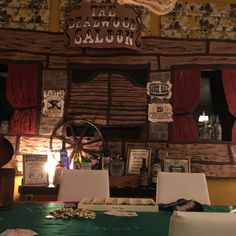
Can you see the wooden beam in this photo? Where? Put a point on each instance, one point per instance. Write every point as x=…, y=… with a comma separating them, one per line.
x=155, y=25
x=210, y=1
x=54, y=16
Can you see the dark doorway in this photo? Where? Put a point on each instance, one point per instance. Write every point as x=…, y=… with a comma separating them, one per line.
x=213, y=102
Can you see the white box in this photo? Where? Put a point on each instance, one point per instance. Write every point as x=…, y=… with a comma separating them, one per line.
x=119, y=204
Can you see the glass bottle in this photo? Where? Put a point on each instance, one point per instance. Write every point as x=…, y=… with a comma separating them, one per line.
x=117, y=166
x=58, y=173
x=86, y=161
x=64, y=156
x=106, y=159
x=218, y=129
x=144, y=175
x=77, y=161
x=155, y=168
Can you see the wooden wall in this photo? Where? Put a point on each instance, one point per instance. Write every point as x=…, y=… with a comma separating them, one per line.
x=215, y=159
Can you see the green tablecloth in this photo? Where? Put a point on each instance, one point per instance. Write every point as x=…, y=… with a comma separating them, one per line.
x=32, y=216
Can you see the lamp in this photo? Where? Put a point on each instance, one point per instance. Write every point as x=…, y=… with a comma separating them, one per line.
x=159, y=7
x=203, y=117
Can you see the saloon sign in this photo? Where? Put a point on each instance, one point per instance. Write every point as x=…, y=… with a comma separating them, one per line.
x=103, y=25
x=158, y=89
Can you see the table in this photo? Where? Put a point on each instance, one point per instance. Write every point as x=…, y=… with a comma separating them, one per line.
x=44, y=193
x=31, y=215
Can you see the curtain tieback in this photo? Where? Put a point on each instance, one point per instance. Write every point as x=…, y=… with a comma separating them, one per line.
x=182, y=114
x=25, y=108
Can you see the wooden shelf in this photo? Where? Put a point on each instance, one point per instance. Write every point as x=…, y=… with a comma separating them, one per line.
x=120, y=186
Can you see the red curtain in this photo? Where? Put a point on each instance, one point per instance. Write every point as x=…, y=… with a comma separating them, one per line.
x=229, y=82
x=186, y=95
x=22, y=93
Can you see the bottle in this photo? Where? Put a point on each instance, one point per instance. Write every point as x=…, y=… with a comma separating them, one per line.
x=77, y=161
x=64, y=156
x=58, y=173
x=86, y=161
x=218, y=129
x=155, y=168
x=106, y=160
x=144, y=175
x=211, y=128
x=117, y=166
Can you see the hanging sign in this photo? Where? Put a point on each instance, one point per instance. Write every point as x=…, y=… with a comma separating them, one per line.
x=160, y=113
x=103, y=25
x=53, y=102
x=158, y=89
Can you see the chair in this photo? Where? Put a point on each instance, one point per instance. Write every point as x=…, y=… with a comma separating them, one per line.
x=78, y=184
x=190, y=186
x=202, y=223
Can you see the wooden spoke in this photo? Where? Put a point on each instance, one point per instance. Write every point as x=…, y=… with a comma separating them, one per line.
x=88, y=139
x=91, y=151
x=93, y=140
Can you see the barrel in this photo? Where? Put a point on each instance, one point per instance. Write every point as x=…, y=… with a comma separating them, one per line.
x=7, y=181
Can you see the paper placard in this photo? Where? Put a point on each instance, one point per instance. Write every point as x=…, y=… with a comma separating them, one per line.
x=34, y=172
x=158, y=89
x=160, y=112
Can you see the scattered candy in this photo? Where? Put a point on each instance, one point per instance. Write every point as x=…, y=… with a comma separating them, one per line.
x=62, y=213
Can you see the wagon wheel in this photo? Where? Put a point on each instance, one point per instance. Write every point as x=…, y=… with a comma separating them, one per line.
x=80, y=136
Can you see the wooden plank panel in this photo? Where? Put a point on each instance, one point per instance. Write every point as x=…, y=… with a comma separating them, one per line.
x=233, y=151
x=21, y=56
x=167, y=62
x=200, y=152
x=35, y=42
x=215, y=170
x=60, y=61
x=173, y=46
x=34, y=145
x=222, y=47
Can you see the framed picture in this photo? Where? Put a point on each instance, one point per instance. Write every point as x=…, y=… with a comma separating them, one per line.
x=177, y=164
x=135, y=160
x=34, y=172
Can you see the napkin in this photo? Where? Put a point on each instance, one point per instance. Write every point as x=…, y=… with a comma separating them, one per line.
x=18, y=232
x=120, y=213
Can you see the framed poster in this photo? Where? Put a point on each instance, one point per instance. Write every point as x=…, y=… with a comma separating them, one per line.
x=34, y=172
x=177, y=165
x=135, y=160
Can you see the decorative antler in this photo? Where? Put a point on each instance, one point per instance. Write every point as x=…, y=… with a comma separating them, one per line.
x=159, y=7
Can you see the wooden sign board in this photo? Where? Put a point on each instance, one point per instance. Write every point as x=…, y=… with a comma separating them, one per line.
x=103, y=25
